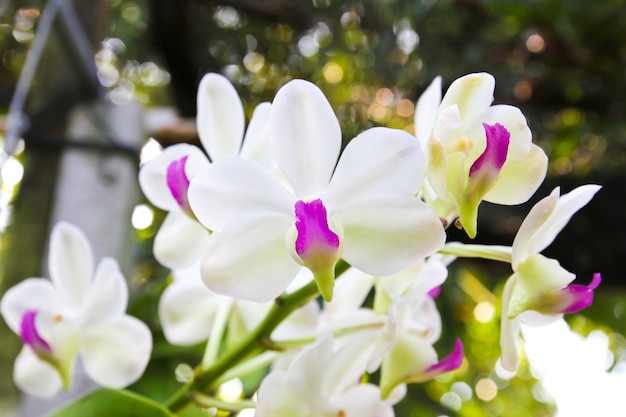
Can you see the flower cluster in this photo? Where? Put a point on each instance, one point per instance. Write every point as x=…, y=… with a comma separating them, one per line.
x=266, y=221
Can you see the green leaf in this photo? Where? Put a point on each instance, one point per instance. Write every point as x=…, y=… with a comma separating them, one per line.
x=108, y=402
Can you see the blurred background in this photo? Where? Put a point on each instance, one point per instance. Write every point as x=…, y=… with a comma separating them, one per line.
x=89, y=90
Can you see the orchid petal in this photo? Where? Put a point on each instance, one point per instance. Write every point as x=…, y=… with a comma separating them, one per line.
x=278, y=398
x=300, y=324
x=256, y=142
x=306, y=137
x=408, y=360
x=490, y=162
x=187, y=309
x=108, y=294
x=547, y=218
x=536, y=277
x=237, y=190
x=509, y=329
x=153, y=175
x=378, y=161
x=34, y=376
x=426, y=111
x=71, y=264
x=519, y=178
x=384, y=235
x=513, y=121
x=472, y=93
x=581, y=296
x=316, y=245
x=248, y=260
x=115, y=353
x=180, y=241
x=363, y=401
x=449, y=121
x=220, y=117
x=450, y=363
x=307, y=374
x=36, y=294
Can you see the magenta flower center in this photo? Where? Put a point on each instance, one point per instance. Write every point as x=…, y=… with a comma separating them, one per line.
x=494, y=156
x=30, y=335
x=178, y=183
x=314, y=235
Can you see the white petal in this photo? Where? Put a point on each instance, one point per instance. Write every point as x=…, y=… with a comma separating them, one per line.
x=30, y=294
x=300, y=324
x=186, y=310
x=566, y=207
x=237, y=190
x=34, y=376
x=278, y=398
x=363, y=401
x=305, y=135
x=256, y=142
x=115, y=353
x=180, y=241
x=108, y=294
x=70, y=262
x=384, y=235
x=426, y=111
x=220, y=117
x=153, y=175
x=515, y=123
x=249, y=260
x=547, y=218
x=519, y=179
x=381, y=162
x=472, y=93
x=509, y=331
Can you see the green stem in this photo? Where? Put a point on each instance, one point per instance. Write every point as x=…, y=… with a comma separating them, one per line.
x=207, y=402
x=283, y=306
x=217, y=332
x=249, y=366
x=491, y=252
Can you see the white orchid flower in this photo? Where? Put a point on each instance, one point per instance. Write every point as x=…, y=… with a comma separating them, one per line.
x=181, y=240
x=403, y=349
x=475, y=151
x=323, y=382
x=188, y=310
x=363, y=208
x=538, y=292
x=81, y=311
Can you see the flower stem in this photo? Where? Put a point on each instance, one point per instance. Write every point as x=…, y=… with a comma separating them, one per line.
x=283, y=306
x=491, y=252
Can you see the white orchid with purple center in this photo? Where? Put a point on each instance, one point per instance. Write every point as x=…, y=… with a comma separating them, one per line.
x=181, y=240
x=475, y=151
x=332, y=390
x=79, y=312
x=363, y=209
x=539, y=291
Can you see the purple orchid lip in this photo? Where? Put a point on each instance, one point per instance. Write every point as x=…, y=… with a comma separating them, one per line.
x=450, y=363
x=178, y=183
x=581, y=296
x=313, y=231
x=494, y=156
x=435, y=292
x=30, y=335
